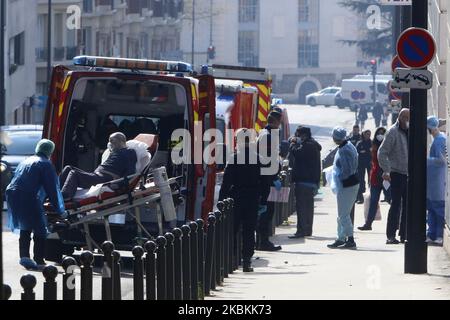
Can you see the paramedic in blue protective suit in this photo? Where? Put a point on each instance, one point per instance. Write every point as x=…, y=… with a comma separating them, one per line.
x=436, y=183
x=345, y=185
x=120, y=163
x=241, y=181
x=35, y=180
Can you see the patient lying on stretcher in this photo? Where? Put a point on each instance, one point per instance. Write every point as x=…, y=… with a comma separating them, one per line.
x=120, y=163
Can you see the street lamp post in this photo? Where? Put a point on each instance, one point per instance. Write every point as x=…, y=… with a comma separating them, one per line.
x=49, y=44
x=193, y=32
x=210, y=29
x=416, y=246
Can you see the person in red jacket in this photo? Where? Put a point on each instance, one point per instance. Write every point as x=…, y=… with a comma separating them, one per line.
x=376, y=180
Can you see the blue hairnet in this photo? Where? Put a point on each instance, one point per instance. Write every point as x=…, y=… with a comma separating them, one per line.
x=45, y=147
x=432, y=122
x=339, y=134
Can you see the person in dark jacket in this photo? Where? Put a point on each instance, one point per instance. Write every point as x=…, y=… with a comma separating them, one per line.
x=265, y=219
x=364, y=162
x=306, y=173
x=120, y=163
x=242, y=181
x=376, y=180
x=362, y=116
x=378, y=113
x=355, y=137
x=35, y=179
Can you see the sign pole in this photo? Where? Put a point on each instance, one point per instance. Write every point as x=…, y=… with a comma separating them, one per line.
x=416, y=246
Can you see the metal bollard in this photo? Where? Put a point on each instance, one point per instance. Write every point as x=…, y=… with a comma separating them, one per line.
x=228, y=235
x=170, y=275
x=201, y=257
x=222, y=246
x=107, y=271
x=138, y=273
x=209, y=256
x=117, y=288
x=28, y=282
x=178, y=262
x=150, y=270
x=86, y=258
x=218, y=251
x=69, y=265
x=186, y=263
x=232, y=235
x=194, y=260
x=50, y=291
x=161, y=280
x=7, y=292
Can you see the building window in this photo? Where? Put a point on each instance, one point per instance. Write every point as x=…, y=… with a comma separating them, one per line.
x=308, y=49
x=248, y=10
x=88, y=6
x=87, y=40
x=248, y=48
x=16, y=52
x=303, y=10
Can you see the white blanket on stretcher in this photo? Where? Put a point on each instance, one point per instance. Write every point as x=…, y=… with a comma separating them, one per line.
x=143, y=159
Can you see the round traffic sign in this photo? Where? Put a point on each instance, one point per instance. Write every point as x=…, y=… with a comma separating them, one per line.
x=396, y=63
x=416, y=48
x=355, y=95
x=394, y=95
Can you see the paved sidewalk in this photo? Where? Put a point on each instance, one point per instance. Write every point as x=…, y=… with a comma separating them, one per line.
x=309, y=270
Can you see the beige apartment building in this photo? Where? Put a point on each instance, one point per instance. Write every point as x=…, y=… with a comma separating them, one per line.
x=20, y=64
x=298, y=40
x=132, y=28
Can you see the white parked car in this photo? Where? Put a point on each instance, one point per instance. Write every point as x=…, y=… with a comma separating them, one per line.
x=326, y=97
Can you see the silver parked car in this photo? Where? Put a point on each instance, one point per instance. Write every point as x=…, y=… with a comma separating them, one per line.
x=325, y=97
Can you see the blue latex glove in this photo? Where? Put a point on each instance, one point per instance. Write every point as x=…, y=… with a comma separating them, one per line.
x=262, y=209
x=277, y=184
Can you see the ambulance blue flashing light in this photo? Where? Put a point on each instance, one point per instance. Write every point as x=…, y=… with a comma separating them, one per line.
x=135, y=64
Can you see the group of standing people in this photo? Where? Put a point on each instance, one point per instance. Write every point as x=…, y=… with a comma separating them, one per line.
x=378, y=112
x=385, y=160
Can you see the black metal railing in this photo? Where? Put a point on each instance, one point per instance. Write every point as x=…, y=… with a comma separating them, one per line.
x=185, y=264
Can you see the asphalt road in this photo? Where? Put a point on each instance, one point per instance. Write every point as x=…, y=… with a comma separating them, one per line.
x=321, y=120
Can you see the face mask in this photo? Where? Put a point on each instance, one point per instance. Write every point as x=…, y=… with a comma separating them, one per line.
x=380, y=137
x=407, y=125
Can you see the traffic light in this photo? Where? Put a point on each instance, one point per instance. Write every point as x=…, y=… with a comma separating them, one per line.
x=374, y=66
x=211, y=52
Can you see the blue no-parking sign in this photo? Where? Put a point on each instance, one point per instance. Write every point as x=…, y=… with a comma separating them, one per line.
x=416, y=48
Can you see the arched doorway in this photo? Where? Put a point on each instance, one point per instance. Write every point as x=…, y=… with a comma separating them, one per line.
x=306, y=88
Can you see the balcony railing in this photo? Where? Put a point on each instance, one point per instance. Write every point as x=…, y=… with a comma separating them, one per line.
x=59, y=53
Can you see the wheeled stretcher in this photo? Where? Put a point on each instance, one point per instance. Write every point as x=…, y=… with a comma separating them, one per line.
x=125, y=196
x=128, y=197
